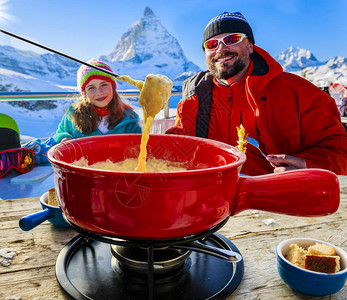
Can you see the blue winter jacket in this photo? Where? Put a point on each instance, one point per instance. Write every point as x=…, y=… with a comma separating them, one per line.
x=67, y=128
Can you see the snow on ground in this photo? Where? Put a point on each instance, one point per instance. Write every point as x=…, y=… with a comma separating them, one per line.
x=12, y=79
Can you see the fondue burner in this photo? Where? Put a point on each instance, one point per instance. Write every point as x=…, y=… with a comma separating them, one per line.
x=97, y=267
x=136, y=259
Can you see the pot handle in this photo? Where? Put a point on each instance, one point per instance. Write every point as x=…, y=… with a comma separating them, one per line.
x=304, y=192
x=31, y=221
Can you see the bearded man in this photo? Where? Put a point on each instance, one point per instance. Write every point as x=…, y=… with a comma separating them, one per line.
x=296, y=124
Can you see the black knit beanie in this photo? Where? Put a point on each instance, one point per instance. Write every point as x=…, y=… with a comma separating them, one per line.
x=228, y=22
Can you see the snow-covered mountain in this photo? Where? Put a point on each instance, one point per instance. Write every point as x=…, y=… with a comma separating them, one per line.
x=332, y=71
x=12, y=81
x=27, y=71
x=296, y=59
x=303, y=63
x=147, y=47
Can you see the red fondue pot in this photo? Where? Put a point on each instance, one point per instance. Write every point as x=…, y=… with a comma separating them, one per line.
x=176, y=204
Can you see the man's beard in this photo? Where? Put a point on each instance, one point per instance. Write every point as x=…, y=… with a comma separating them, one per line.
x=231, y=70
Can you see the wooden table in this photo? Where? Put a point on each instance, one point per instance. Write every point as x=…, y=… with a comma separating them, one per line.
x=32, y=274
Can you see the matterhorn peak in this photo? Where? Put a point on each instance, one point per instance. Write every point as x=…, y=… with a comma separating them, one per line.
x=149, y=16
x=147, y=46
x=148, y=12
x=145, y=39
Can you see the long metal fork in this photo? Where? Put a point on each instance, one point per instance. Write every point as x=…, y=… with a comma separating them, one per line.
x=255, y=143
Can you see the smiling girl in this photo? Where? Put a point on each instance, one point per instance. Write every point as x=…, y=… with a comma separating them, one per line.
x=99, y=109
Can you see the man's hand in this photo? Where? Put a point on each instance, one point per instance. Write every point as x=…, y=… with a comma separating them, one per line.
x=284, y=162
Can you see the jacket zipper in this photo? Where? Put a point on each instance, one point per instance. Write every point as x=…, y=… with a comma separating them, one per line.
x=262, y=134
x=229, y=119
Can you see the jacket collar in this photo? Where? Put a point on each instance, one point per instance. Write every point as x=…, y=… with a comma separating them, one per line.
x=265, y=66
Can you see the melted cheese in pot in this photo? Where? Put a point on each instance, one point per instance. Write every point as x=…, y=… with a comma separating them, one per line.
x=129, y=164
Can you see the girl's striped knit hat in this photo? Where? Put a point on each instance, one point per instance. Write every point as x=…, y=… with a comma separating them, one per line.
x=85, y=74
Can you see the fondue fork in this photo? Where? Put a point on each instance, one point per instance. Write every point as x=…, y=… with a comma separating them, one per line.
x=228, y=255
x=255, y=143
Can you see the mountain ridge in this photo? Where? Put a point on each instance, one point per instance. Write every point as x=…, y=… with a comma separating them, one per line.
x=321, y=73
x=146, y=47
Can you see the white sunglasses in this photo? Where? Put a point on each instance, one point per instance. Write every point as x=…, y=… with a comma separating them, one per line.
x=228, y=40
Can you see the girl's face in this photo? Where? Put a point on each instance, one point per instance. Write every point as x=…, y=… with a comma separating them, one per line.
x=99, y=92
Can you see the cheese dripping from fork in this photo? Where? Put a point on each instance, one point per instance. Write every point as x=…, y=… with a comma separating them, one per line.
x=155, y=91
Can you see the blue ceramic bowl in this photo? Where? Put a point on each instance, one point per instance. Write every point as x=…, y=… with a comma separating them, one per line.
x=51, y=213
x=310, y=282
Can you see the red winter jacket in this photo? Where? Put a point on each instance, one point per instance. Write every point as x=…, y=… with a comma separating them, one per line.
x=290, y=115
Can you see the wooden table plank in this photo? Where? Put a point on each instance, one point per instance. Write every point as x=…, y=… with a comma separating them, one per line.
x=32, y=272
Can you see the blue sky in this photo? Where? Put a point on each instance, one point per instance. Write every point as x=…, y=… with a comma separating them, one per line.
x=86, y=28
